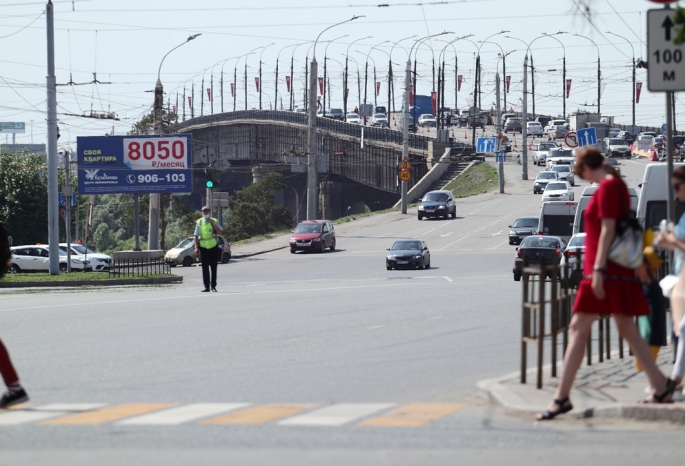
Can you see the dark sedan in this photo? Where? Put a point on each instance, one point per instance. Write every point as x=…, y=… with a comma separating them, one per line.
x=535, y=249
x=523, y=227
x=438, y=203
x=409, y=253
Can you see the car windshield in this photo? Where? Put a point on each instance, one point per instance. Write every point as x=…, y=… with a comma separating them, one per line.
x=547, y=146
x=559, y=122
x=576, y=241
x=533, y=123
x=617, y=142
x=560, y=153
x=185, y=243
x=561, y=168
x=426, y=116
x=526, y=223
x=352, y=116
x=82, y=249
x=309, y=228
x=435, y=197
x=540, y=242
x=405, y=245
x=555, y=186
x=337, y=111
x=379, y=115
x=546, y=176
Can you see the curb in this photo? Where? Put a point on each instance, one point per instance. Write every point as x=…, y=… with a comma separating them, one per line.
x=113, y=282
x=250, y=254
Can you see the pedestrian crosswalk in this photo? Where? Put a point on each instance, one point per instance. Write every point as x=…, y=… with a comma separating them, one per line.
x=174, y=414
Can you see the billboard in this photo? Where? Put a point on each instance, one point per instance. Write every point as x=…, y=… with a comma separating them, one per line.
x=134, y=164
x=12, y=127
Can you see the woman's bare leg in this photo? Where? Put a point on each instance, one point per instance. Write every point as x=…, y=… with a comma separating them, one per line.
x=581, y=323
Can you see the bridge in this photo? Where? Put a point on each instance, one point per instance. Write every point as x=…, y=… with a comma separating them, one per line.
x=357, y=165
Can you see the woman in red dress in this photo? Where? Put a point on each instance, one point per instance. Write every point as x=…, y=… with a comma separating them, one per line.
x=606, y=287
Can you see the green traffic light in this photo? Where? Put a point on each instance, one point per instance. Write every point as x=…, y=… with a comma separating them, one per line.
x=210, y=184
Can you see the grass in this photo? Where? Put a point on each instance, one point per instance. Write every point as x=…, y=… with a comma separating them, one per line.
x=478, y=179
x=69, y=277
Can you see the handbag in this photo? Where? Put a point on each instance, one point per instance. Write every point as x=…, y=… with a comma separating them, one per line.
x=627, y=247
x=667, y=284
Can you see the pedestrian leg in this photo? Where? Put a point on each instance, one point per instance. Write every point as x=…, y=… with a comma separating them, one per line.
x=15, y=394
x=205, y=255
x=213, y=264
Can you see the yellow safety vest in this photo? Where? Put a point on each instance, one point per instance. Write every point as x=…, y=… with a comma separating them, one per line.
x=207, y=236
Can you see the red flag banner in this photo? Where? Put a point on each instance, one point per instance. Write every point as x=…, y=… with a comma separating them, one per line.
x=508, y=80
x=411, y=95
x=256, y=83
x=287, y=83
x=378, y=88
x=568, y=87
x=190, y=102
x=434, y=102
x=638, y=89
x=232, y=89
x=209, y=94
x=321, y=86
x=459, y=79
x=174, y=107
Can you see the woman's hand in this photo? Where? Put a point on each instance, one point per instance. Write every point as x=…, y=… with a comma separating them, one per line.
x=666, y=239
x=643, y=274
x=598, y=284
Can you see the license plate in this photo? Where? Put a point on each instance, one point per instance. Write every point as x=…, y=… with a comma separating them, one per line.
x=402, y=262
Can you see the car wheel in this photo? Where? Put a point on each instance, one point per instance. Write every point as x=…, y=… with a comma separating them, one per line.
x=420, y=217
x=454, y=214
x=63, y=268
x=333, y=246
x=446, y=215
x=293, y=250
x=14, y=268
x=428, y=265
x=387, y=267
x=323, y=247
x=225, y=258
x=517, y=277
x=187, y=261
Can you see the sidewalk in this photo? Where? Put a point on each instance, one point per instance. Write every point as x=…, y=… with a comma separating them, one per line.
x=610, y=389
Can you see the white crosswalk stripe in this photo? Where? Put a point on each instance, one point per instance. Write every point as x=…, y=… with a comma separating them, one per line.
x=336, y=415
x=44, y=412
x=181, y=414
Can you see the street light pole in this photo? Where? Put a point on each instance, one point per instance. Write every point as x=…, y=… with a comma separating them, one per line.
x=345, y=79
x=325, y=76
x=312, y=146
x=599, y=76
x=563, y=78
x=633, y=49
x=278, y=56
x=153, y=232
x=391, y=81
x=247, y=55
x=260, y=72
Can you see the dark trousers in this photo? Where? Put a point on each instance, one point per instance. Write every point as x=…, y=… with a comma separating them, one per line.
x=9, y=375
x=209, y=259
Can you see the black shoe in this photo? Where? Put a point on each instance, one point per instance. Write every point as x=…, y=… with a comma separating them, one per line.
x=214, y=289
x=11, y=398
x=206, y=290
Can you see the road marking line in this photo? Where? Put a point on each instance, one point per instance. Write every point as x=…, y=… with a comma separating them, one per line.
x=44, y=412
x=495, y=234
x=425, y=233
x=471, y=213
x=336, y=415
x=445, y=236
x=453, y=242
x=481, y=229
x=113, y=413
x=259, y=414
x=375, y=327
x=181, y=414
x=496, y=221
x=448, y=278
x=500, y=244
x=413, y=415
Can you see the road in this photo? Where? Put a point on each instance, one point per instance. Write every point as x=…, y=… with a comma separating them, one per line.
x=302, y=359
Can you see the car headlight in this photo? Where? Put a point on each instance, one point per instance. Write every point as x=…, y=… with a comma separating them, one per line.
x=441, y=207
x=392, y=257
x=537, y=184
x=316, y=240
x=76, y=261
x=512, y=233
x=172, y=256
x=421, y=207
x=417, y=256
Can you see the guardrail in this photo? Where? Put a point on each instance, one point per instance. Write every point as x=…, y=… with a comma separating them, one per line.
x=328, y=124
x=138, y=264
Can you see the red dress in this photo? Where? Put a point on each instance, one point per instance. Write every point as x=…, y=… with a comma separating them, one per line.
x=623, y=291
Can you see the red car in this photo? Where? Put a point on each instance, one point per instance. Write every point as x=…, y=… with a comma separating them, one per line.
x=313, y=235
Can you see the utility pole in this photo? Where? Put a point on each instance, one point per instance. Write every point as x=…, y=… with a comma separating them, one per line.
x=524, y=118
x=472, y=111
x=405, y=129
x=504, y=75
x=53, y=214
x=235, y=85
x=456, y=82
x=532, y=82
x=500, y=165
x=202, y=95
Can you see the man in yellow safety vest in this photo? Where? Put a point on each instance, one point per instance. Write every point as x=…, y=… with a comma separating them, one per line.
x=207, y=246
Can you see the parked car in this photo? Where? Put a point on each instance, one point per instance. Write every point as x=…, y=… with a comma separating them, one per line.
x=335, y=113
x=540, y=154
x=513, y=125
x=37, y=259
x=427, y=119
x=556, y=129
x=557, y=191
x=380, y=109
x=353, y=118
x=615, y=164
x=535, y=249
x=410, y=253
x=572, y=258
x=534, y=128
x=184, y=252
x=541, y=180
x=98, y=262
x=522, y=227
x=565, y=173
x=313, y=235
x=437, y=204
x=615, y=147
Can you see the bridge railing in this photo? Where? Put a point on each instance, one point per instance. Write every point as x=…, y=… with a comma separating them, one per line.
x=370, y=133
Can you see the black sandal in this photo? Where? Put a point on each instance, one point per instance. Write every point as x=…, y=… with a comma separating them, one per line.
x=665, y=396
x=564, y=407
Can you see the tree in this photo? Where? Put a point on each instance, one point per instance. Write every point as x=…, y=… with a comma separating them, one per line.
x=24, y=199
x=145, y=125
x=254, y=212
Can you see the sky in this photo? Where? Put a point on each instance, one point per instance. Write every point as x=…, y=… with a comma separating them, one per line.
x=107, y=55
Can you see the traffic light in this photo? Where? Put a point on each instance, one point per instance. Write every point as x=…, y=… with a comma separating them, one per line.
x=211, y=179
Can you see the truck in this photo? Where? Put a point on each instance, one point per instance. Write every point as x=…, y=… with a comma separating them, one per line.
x=422, y=105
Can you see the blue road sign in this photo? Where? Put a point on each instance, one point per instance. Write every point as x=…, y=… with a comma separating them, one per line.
x=134, y=164
x=486, y=145
x=664, y=128
x=500, y=157
x=60, y=198
x=587, y=137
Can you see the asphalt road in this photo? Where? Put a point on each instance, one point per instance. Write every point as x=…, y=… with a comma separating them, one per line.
x=302, y=359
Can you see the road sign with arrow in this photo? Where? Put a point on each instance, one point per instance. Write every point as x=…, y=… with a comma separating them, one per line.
x=666, y=60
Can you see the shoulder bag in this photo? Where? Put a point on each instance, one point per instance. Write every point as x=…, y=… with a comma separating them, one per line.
x=627, y=247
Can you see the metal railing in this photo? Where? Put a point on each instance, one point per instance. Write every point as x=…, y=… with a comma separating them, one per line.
x=138, y=264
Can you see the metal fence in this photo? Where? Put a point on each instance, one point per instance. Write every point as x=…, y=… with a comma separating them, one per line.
x=138, y=264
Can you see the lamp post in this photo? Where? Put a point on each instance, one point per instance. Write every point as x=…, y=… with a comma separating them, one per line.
x=325, y=76
x=477, y=97
x=222, y=82
x=153, y=234
x=247, y=55
x=599, y=76
x=532, y=69
x=276, y=81
x=503, y=57
x=345, y=80
x=312, y=146
x=328, y=83
x=563, y=79
x=359, y=83
x=391, y=81
x=441, y=80
x=387, y=110
x=260, y=72
x=633, y=49
x=414, y=86
x=366, y=73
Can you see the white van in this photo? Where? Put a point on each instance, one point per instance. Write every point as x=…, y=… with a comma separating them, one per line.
x=556, y=219
x=656, y=187
x=588, y=192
